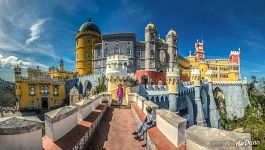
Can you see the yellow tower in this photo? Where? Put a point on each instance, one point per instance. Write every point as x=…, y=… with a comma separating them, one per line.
x=18, y=80
x=86, y=38
x=196, y=77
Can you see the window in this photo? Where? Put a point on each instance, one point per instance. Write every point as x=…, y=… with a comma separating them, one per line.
x=55, y=103
x=32, y=92
x=44, y=89
x=32, y=103
x=129, y=52
x=99, y=63
x=139, y=53
x=105, y=52
x=152, y=53
x=98, y=54
x=55, y=90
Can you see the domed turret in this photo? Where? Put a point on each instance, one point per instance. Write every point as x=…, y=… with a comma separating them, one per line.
x=172, y=33
x=89, y=26
x=150, y=26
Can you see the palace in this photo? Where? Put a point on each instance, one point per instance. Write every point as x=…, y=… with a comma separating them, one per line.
x=151, y=57
x=41, y=90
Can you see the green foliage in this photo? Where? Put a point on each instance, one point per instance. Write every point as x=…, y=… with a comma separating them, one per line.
x=101, y=84
x=254, y=120
x=7, y=96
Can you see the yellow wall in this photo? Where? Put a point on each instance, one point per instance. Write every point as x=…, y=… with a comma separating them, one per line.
x=23, y=91
x=85, y=44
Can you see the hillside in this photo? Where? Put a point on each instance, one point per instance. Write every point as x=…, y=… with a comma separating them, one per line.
x=7, y=93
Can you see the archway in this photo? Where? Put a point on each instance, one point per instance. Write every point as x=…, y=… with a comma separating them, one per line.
x=219, y=99
x=190, y=111
x=205, y=105
x=44, y=103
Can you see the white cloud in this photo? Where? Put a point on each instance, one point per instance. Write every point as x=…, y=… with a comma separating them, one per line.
x=12, y=61
x=36, y=29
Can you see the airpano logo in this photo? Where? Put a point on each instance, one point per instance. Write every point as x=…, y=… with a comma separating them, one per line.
x=247, y=143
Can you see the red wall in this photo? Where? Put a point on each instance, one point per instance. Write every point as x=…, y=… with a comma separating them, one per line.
x=234, y=58
x=155, y=76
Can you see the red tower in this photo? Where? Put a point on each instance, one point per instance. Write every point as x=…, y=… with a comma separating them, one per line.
x=199, y=50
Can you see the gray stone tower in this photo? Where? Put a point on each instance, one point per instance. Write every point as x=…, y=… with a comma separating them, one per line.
x=171, y=40
x=150, y=48
x=173, y=87
x=196, y=79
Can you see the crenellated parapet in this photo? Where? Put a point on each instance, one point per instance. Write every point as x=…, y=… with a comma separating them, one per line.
x=196, y=77
x=227, y=83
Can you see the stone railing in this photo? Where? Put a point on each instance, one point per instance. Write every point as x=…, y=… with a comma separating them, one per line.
x=60, y=121
x=204, y=138
x=168, y=123
x=59, y=125
x=20, y=133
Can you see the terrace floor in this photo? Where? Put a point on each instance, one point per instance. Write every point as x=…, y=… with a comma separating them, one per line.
x=115, y=131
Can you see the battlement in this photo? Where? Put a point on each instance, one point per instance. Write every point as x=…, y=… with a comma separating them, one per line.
x=234, y=53
x=223, y=83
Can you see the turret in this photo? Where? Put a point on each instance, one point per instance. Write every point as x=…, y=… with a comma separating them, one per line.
x=61, y=65
x=209, y=76
x=150, y=40
x=87, y=36
x=116, y=70
x=171, y=40
x=196, y=77
x=199, y=50
x=17, y=71
x=173, y=88
x=18, y=80
x=172, y=80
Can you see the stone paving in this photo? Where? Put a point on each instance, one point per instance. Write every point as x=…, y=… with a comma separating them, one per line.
x=115, y=132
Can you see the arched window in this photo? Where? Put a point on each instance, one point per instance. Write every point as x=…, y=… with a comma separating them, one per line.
x=55, y=103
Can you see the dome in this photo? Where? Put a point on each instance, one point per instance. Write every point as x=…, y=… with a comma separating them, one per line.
x=150, y=26
x=89, y=26
x=172, y=32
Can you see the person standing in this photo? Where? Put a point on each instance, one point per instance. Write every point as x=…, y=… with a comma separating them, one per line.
x=120, y=94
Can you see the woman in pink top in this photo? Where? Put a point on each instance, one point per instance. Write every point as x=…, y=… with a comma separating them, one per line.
x=120, y=94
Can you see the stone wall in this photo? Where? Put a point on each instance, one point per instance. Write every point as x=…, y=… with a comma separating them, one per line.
x=20, y=133
x=204, y=138
x=170, y=124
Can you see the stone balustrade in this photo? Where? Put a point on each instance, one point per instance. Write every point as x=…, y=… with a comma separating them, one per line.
x=168, y=124
x=172, y=126
x=204, y=138
x=60, y=121
x=60, y=125
x=20, y=133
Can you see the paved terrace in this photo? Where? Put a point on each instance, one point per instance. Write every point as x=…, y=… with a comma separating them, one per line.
x=95, y=124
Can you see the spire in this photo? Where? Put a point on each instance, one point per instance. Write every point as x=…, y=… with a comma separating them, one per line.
x=190, y=53
x=89, y=19
x=61, y=61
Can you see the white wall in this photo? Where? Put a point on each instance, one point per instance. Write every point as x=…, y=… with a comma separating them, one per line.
x=84, y=112
x=58, y=129
x=26, y=141
x=176, y=136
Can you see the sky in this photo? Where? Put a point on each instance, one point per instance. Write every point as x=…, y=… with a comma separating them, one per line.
x=37, y=32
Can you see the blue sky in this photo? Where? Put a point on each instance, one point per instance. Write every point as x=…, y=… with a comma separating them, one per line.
x=36, y=32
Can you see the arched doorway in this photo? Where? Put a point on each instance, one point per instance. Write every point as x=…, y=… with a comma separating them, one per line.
x=44, y=103
x=219, y=99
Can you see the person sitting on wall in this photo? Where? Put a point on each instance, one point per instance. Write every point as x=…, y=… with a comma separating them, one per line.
x=148, y=123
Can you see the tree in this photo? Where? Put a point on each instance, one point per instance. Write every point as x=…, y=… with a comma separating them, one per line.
x=101, y=84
